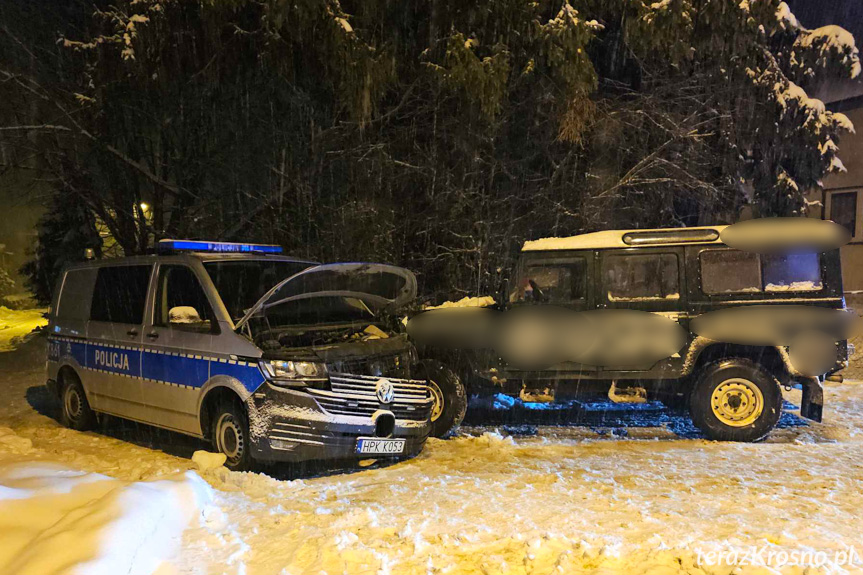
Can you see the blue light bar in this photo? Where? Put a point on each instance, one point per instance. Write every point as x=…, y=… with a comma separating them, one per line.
x=204, y=246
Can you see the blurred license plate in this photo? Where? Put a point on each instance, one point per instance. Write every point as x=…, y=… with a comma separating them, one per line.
x=376, y=446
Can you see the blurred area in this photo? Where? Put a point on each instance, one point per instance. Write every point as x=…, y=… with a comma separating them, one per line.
x=840, y=200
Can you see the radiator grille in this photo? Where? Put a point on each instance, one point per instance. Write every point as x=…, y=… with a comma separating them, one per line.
x=356, y=395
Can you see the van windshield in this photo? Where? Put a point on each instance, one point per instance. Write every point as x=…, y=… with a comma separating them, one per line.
x=242, y=283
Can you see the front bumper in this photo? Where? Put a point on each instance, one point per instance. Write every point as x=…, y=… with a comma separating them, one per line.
x=292, y=426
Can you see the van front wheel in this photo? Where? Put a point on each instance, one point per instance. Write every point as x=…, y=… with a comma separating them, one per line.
x=231, y=437
x=735, y=400
x=76, y=413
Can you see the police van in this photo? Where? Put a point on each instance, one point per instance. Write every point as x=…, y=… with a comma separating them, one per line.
x=269, y=357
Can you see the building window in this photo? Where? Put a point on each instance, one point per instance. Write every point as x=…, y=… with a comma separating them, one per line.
x=843, y=210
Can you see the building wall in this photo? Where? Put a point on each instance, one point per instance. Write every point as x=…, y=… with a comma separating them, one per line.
x=848, y=186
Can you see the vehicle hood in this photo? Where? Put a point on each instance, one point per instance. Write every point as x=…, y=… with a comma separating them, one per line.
x=344, y=350
x=381, y=286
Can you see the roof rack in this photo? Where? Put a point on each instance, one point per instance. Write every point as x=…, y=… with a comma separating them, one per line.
x=215, y=247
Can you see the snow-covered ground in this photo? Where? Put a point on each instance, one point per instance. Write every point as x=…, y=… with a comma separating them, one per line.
x=16, y=324
x=549, y=500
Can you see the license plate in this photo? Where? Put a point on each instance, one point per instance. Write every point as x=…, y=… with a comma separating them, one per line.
x=376, y=446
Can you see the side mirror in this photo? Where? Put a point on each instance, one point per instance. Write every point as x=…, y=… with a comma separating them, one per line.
x=184, y=315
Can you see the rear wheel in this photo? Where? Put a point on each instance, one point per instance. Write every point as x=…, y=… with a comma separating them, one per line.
x=449, y=398
x=231, y=436
x=76, y=412
x=736, y=400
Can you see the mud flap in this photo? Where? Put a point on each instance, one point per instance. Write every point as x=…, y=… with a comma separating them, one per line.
x=813, y=399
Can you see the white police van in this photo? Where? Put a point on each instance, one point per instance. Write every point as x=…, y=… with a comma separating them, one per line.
x=269, y=357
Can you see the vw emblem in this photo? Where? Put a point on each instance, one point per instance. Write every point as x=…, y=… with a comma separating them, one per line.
x=385, y=391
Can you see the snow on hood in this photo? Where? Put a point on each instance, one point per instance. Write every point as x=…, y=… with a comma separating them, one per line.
x=381, y=286
x=481, y=301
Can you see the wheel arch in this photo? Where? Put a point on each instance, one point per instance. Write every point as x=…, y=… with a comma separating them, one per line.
x=773, y=358
x=217, y=389
x=65, y=371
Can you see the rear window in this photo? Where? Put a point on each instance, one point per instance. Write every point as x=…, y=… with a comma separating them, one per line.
x=120, y=294
x=76, y=294
x=641, y=277
x=733, y=271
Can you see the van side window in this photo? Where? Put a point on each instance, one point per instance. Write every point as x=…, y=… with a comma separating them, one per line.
x=641, y=277
x=120, y=294
x=556, y=282
x=180, y=290
x=730, y=271
x=76, y=294
x=733, y=271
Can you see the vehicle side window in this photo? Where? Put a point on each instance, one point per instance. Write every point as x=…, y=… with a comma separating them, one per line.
x=734, y=271
x=76, y=294
x=730, y=271
x=792, y=272
x=180, y=298
x=641, y=277
x=120, y=294
x=551, y=282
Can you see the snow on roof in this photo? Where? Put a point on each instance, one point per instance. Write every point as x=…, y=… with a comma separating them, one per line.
x=615, y=239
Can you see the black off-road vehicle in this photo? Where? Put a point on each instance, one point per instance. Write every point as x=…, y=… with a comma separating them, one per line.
x=732, y=391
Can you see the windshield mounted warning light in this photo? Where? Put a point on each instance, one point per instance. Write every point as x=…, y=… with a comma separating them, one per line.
x=215, y=247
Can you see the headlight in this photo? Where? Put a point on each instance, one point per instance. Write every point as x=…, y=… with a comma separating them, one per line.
x=295, y=373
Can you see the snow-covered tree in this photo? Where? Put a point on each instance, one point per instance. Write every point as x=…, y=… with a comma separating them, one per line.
x=439, y=134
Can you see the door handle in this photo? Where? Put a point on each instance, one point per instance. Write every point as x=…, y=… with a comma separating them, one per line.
x=132, y=332
x=153, y=335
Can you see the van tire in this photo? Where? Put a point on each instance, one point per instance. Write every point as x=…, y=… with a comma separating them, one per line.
x=735, y=400
x=230, y=435
x=75, y=412
x=449, y=395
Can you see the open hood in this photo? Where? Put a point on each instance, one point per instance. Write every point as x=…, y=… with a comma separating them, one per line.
x=380, y=286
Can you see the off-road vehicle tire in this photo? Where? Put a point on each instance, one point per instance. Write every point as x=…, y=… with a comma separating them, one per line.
x=735, y=400
x=75, y=411
x=230, y=435
x=449, y=395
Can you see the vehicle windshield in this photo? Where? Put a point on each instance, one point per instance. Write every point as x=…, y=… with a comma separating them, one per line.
x=241, y=283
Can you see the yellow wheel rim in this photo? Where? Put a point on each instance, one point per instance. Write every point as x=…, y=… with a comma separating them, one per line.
x=737, y=402
x=437, y=397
